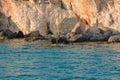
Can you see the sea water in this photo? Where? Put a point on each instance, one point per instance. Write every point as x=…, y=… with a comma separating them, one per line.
x=33, y=61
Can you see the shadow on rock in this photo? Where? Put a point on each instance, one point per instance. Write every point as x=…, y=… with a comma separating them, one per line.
x=60, y=40
x=8, y=34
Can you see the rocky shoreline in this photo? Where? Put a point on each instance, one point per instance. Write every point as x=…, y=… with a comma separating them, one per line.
x=60, y=21
x=93, y=34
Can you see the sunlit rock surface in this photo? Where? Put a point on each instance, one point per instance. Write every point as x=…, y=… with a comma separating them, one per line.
x=59, y=17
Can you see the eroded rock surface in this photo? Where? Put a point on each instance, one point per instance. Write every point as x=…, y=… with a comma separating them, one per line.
x=114, y=38
x=66, y=18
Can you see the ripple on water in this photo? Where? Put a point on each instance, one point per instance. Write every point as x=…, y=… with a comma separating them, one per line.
x=66, y=62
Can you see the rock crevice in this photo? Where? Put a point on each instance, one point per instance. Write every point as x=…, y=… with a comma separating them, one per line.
x=59, y=17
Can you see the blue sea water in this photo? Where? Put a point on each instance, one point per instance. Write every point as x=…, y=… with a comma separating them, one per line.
x=31, y=61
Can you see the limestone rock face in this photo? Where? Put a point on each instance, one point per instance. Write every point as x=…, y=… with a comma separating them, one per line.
x=94, y=12
x=60, y=17
x=27, y=16
x=61, y=21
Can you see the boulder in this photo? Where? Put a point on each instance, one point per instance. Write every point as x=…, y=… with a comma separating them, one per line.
x=107, y=35
x=9, y=34
x=92, y=34
x=81, y=38
x=60, y=40
x=33, y=36
x=34, y=33
x=61, y=16
x=20, y=35
x=99, y=37
x=61, y=22
x=105, y=32
x=93, y=31
x=114, y=38
x=99, y=33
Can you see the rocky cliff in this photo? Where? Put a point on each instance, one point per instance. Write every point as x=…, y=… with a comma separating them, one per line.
x=60, y=17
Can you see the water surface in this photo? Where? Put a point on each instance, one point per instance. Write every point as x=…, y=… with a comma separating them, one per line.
x=35, y=61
